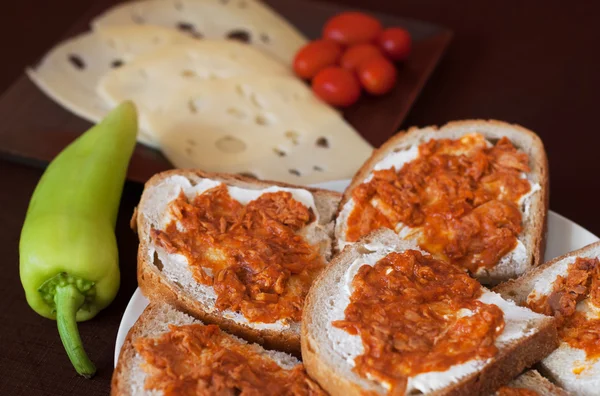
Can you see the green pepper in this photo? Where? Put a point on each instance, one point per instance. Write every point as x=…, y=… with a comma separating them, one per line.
x=69, y=263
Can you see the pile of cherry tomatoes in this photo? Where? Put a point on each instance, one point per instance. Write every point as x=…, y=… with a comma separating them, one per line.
x=355, y=53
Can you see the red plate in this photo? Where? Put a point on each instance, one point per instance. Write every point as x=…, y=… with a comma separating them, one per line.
x=34, y=129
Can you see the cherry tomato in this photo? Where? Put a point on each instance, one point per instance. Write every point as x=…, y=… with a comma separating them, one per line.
x=349, y=28
x=315, y=56
x=336, y=86
x=357, y=54
x=377, y=75
x=395, y=43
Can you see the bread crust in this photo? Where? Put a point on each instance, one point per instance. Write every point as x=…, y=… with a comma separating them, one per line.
x=508, y=363
x=117, y=383
x=510, y=288
x=533, y=380
x=517, y=134
x=519, y=289
x=153, y=322
x=119, y=378
x=156, y=287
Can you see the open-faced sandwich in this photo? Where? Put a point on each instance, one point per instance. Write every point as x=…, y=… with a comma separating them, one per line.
x=170, y=353
x=387, y=318
x=567, y=287
x=473, y=193
x=234, y=251
x=399, y=310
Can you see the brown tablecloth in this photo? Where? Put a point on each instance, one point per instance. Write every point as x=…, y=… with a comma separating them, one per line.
x=535, y=63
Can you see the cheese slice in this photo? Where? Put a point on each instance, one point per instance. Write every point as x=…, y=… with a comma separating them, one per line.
x=168, y=70
x=272, y=127
x=249, y=20
x=70, y=71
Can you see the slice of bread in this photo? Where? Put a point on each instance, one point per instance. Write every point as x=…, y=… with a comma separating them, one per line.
x=328, y=352
x=534, y=207
x=559, y=365
x=534, y=381
x=129, y=377
x=166, y=277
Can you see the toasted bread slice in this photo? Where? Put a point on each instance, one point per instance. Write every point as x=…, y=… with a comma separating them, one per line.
x=566, y=366
x=329, y=352
x=164, y=277
x=532, y=380
x=129, y=377
x=534, y=207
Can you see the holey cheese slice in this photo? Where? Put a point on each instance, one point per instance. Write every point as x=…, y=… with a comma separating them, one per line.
x=70, y=72
x=270, y=127
x=250, y=21
x=170, y=69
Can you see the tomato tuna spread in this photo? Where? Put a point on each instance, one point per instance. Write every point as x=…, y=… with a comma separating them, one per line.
x=508, y=391
x=201, y=360
x=416, y=314
x=582, y=281
x=250, y=254
x=462, y=196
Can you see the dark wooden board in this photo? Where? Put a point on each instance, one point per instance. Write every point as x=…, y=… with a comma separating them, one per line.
x=34, y=129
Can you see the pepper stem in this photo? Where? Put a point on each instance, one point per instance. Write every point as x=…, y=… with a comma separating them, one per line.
x=68, y=300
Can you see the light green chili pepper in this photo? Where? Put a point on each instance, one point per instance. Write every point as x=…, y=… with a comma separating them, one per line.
x=69, y=263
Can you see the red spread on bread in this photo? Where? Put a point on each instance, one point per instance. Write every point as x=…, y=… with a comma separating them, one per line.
x=417, y=314
x=197, y=360
x=250, y=254
x=574, y=327
x=461, y=195
x=509, y=391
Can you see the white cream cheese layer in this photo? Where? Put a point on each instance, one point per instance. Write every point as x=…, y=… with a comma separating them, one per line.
x=517, y=325
x=545, y=284
x=562, y=361
x=397, y=160
x=545, y=281
x=177, y=183
x=175, y=266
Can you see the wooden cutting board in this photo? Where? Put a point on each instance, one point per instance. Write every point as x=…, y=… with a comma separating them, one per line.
x=34, y=129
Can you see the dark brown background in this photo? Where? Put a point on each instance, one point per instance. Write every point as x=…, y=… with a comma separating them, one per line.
x=535, y=63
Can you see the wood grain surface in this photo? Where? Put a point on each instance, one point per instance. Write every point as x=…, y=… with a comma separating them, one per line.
x=535, y=63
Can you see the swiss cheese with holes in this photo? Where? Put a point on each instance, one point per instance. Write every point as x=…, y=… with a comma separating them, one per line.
x=70, y=72
x=271, y=127
x=168, y=70
x=250, y=21
x=207, y=102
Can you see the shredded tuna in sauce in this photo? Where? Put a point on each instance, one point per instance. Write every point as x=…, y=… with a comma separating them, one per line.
x=252, y=255
x=581, y=282
x=417, y=314
x=459, y=197
x=196, y=359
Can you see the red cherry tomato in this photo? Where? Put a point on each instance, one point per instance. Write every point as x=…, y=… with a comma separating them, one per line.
x=395, y=43
x=357, y=54
x=349, y=28
x=336, y=86
x=315, y=56
x=377, y=75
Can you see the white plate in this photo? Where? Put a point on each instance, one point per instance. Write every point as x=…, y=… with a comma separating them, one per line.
x=563, y=236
